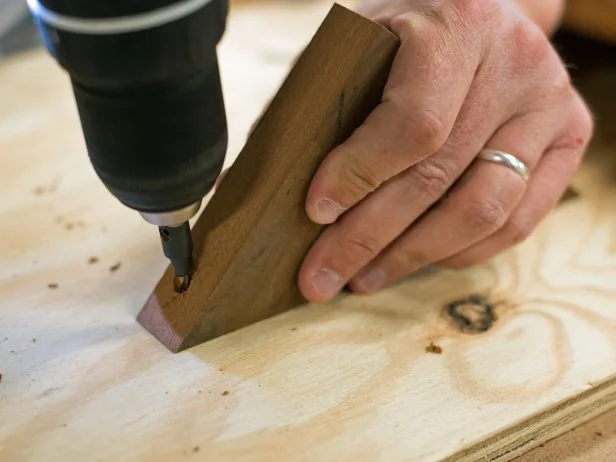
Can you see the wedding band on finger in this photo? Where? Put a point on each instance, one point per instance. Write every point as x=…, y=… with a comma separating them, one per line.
x=507, y=160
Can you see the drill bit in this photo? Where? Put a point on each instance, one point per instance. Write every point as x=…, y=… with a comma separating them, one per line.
x=178, y=248
x=181, y=283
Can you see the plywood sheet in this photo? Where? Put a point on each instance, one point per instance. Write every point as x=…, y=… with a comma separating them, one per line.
x=81, y=380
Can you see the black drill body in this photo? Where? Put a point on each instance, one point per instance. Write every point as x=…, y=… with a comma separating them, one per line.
x=149, y=98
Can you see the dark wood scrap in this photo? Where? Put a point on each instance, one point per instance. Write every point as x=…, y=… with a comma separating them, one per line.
x=253, y=235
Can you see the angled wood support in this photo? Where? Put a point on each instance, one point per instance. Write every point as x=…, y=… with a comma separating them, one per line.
x=251, y=238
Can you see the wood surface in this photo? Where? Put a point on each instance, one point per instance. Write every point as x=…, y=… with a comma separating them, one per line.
x=596, y=18
x=82, y=381
x=594, y=441
x=251, y=238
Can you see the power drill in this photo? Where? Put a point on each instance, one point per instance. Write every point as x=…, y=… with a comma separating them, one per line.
x=147, y=87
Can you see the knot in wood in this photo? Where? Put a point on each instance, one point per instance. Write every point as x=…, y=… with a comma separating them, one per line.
x=472, y=315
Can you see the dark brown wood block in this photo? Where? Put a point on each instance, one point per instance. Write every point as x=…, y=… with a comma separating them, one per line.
x=253, y=235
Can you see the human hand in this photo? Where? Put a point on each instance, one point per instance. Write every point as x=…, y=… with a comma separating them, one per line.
x=404, y=191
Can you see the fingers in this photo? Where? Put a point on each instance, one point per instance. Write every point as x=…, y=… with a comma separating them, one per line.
x=470, y=213
x=380, y=11
x=359, y=236
x=553, y=174
x=427, y=86
x=548, y=183
x=418, y=142
x=478, y=206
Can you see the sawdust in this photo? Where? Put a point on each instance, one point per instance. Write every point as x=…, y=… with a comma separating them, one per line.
x=434, y=348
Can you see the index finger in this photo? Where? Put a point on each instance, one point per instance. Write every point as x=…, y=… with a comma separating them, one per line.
x=427, y=86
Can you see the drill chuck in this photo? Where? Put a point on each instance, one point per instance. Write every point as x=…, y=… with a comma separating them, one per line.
x=147, y=87
x=146, y=82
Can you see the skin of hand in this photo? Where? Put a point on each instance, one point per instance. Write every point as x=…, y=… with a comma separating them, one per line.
x=405, y=191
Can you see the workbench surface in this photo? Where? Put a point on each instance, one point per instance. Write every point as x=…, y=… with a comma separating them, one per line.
x=81, y=380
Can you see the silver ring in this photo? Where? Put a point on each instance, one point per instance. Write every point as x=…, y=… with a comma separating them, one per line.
x=508, y=160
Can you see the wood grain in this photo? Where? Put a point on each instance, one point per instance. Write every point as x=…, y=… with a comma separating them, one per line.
x=81, y=380
x=253, y=235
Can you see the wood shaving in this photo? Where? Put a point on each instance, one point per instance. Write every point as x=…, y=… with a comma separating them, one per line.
x=434, y=348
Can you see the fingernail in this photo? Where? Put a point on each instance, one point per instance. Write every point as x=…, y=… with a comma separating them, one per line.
x=326, y=282
x=373, y=280
x=328, y=211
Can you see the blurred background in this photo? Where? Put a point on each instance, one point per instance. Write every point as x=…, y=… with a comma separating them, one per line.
x=17, y=31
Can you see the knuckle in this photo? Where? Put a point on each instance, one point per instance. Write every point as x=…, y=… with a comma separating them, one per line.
x=561, y=85
x=404, y=259
x=518, y=230
x=587, y=124
x=359, y=180
x=583, y=120
x=421, y=28
x=576, y=133
x=432, y=177
x=485, y=215
x=402, y=25
x=360, y=244
x=417, y=26
x=529, y=46
x=428, y=130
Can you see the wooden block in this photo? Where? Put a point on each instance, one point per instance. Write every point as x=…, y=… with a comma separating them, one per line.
x=252, y=237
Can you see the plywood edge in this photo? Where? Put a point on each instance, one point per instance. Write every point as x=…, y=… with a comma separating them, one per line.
x=505, y=445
